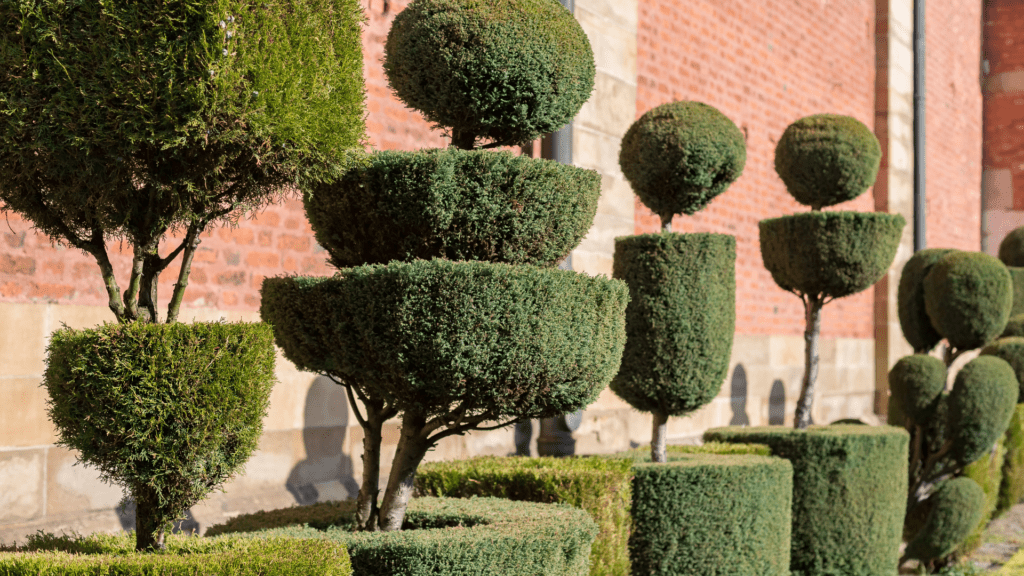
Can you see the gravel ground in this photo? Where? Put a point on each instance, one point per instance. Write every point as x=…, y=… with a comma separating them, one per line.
x=1003, y=538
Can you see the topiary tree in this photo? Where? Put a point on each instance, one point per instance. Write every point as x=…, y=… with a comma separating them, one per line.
x=1011, y=249
x=821, y=256
x=964, y=298
x=682, y=311
x=128, y=121
x=487, y=332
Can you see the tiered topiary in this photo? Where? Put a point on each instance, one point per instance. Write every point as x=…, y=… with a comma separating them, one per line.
x=821, y=256
x=488, y=332
x=125, y=121
x=682, y=287
x=963, y=298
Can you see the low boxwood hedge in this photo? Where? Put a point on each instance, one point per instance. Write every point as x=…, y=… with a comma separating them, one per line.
x=444, y=536
x=115, y=555
x=849, y=494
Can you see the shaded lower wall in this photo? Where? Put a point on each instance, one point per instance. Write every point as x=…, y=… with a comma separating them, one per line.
x=312, y=444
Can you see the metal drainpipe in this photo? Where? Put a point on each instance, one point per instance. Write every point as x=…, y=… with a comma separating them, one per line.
x=920, y=199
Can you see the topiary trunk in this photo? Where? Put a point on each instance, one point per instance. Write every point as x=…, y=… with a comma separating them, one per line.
x=812, y=336
x=658, y=437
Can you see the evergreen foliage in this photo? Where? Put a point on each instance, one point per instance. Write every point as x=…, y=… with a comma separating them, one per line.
x=914, y=321
x=507, y=71
x=957, y=506
x=712, y=514
x=453, y=204
x=1011, y=249
x=987, y=471
x=827, y=159
x=114, y=555
x=126, y=120
x=1010, y=349
x=980, y=406
x=968, y=296
x=1012, y=488
x=679, y=321
x=849, y=484
x=916, y=383
x=833, y=254
x=1014, y=326
x=1017, y=278
x=447, y=537
x=681, y=155
x=169, y=412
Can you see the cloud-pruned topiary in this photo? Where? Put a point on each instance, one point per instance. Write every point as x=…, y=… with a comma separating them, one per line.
x=1011, y=349
x=957, y=506
x=681, y=155
x=506, y=71
x=914, y=321
x=827, y=159
x=916, y=383
x=168, y=411
x=968, y=296
x=453, y=204
x=1011, y=249
x=980, y=406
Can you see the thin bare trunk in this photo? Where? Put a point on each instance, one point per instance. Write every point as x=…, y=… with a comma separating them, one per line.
x=367, y=512
x=658, y=451
x=149, y=533
x=666, y=223
x=148, y=287
x=99, y=251
x=463, y=140
x=812, y=309
x=412, y=447
x=190, y=244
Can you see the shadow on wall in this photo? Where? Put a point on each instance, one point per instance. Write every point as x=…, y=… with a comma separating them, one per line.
x=777, y=404
x=738, y=395
x=126, y=516
x=326, y=473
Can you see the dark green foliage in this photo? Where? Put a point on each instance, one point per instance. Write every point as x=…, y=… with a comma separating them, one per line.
x=1012, y=489
x=712, y=514
x=917, y=326
x=643, y=453
x=916, y=382
x=1010, y=349
x=457, y=537
x=1011, y=249
x=127, y=119
x=601, y=486
x=957, y=506
x=679, y=321
x=1014, y=326
x=834, y=254
x=980, y=406
x=849, y=490
x=105, y=555
x=502, y=70
x=1017, y=277
x=498, y=340
x=679, y=156
x=987, y=471
x=827, y=159
x=453, y=204
x=968, y=296
x=169, y=412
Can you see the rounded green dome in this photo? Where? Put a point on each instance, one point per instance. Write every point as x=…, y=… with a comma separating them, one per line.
x=1014, y=326
x=1011, y=249
x=827, y=159
x=956, y=507
x=980, y=406
x=1010, y=349
x=917, y=327
x=831, y=253
x=506, y=71
x=916, y=383
x=679, y=156
x=968, y=296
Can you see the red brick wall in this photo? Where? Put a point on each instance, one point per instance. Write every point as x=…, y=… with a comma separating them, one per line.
x=1004, y=110
x=231, y=262
x=954, y=114
x=764, y=64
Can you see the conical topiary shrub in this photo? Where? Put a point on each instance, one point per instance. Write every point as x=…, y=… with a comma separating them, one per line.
x=821, y=256
x=124, y=121
x=682, y=311
x=499, y=335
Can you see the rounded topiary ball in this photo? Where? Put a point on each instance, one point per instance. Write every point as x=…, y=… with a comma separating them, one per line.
x=1014, y=326
x=502, y=70
x=917, y=327
x=679, y=156
x=827, y=159
x=968, y=296
x=956, y=508
x=1010, y=349
x=1011, y=249
x=980, y=406
x=916, y=383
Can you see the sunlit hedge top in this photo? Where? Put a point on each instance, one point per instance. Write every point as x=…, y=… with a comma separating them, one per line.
x=500, y=70
x=132, y=114
x=827, y=159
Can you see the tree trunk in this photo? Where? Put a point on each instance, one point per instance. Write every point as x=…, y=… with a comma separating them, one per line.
x=812, y=335
x=666, y=223
x=149, y=531
x=412, y=447
x=658, y=451
x=366, y=505
x=463, y=140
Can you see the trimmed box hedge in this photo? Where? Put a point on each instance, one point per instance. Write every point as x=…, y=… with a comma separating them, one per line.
x=115, y=555
x=849, y=494
x=443, y=536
